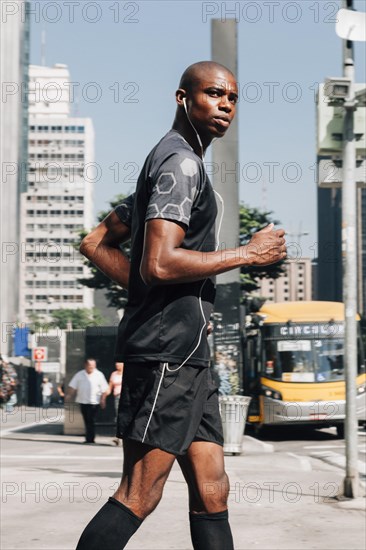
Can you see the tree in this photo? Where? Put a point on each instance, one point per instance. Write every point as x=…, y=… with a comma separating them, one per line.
x=79, y=318
x=251, y=220
x=115, y=295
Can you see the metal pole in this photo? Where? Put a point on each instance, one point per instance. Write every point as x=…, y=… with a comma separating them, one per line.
x=360, y=283
x=349, y=246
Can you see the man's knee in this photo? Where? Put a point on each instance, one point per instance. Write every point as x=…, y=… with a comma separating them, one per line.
x=214, y=494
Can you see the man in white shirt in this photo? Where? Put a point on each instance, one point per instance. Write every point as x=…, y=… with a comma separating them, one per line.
x=88, y=387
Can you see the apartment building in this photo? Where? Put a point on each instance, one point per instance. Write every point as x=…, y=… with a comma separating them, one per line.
x=59, y=200
x=294, y=285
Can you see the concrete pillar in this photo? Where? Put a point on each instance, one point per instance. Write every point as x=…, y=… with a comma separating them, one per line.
x=225, y=179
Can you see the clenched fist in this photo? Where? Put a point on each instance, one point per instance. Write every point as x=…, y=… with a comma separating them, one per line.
x=266, y=247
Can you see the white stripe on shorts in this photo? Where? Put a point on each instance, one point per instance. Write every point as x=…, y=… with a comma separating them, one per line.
x=155, y=400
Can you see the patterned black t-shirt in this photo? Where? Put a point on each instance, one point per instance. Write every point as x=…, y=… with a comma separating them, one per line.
x=163, y=322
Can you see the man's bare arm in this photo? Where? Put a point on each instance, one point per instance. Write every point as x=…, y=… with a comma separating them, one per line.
x=101, y=247
x=165, y=262
x=70, y=394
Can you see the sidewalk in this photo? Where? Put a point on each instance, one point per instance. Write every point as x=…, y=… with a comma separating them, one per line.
x=52, y=485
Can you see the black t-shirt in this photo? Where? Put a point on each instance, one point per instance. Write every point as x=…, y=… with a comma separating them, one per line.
x=163, y=322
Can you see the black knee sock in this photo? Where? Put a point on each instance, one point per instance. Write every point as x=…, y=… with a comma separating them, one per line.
x=211, y=531
x=110, y=529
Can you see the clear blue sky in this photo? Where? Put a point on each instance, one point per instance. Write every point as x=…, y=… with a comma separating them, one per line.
x=138, y=50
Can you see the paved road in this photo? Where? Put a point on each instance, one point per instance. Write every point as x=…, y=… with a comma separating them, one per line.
x=318, y=444
x=281, y=497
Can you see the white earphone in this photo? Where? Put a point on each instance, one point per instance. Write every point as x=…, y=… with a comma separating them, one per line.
x=190, y=122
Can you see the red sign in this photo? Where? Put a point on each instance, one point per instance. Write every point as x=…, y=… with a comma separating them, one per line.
x=39, y=354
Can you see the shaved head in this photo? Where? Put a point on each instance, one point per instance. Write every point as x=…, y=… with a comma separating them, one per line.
x=200, y=71
x=206, y=103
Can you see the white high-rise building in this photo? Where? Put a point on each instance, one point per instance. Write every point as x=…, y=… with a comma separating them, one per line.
x=14, y=61
x=59, y=201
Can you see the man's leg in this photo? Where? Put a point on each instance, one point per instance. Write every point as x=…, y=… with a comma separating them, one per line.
x=89, y=413
x=93, y=410
x=145, y=471
x=84, y=414
x=208, y=485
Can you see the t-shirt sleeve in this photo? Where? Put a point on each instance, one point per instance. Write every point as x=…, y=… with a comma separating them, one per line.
x=74, y=382
x=175, y=186
x=124, y=210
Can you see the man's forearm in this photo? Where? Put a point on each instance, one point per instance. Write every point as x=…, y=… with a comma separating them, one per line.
x=70, y=395
x=110, y=260
x=186, y=266
x=102, y=247
x=164, y=261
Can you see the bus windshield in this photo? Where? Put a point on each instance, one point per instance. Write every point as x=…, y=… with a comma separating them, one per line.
x=304, y=360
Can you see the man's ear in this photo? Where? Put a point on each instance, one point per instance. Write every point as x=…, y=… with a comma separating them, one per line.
x=179, y=95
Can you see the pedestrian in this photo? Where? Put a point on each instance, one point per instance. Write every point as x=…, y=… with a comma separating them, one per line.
x=115, y=385
x=61, y=392
x=89, y=388
x=47, y=391
x=169, y=404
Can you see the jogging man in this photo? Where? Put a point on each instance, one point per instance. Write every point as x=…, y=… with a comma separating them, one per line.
x=169, y=405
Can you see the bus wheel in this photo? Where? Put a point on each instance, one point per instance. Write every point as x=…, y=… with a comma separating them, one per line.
x=340, y=431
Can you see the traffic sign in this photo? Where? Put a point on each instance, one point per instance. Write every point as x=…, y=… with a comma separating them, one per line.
x=50, y=367
x=40, y=354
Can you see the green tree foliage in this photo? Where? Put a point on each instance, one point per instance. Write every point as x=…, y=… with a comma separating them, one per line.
x=79, y=318
x=61, y=318
x=251, y=220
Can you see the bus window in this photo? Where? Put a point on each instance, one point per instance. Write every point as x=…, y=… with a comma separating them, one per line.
x=329, y=359
x=289, y=360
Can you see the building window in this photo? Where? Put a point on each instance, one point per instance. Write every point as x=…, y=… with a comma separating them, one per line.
x=55, y=284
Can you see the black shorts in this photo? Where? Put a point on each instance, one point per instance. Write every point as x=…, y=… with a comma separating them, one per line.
x=169, y=410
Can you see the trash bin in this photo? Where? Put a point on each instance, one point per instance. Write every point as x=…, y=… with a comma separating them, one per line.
x=234, y=411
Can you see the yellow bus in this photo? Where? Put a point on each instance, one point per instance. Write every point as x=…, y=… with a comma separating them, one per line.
x=294, y=369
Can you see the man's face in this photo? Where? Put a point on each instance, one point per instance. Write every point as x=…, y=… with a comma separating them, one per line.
x=212, y=102
x=90, y=366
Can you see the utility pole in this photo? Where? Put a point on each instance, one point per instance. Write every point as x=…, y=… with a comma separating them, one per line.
x=349, y=250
